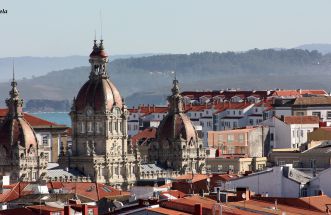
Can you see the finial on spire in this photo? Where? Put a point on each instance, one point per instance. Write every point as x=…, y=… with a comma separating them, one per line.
x=13, y=69
x=13, y=83
x=101, y=24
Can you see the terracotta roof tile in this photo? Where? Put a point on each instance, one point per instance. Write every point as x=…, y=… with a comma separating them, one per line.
x=301, y=120
x=146, y=134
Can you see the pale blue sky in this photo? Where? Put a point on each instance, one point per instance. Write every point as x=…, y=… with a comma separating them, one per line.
x=62, y=27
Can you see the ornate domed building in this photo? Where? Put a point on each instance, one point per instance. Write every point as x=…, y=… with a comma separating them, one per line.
x=21, y=156
x=177, y=144
x=99, y=122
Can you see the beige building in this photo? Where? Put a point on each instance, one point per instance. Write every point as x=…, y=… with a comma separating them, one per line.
x=21, y=156
x=177, y=146
x=238, y=165
x=245, y=142
x=100, y=146
x=318, y=157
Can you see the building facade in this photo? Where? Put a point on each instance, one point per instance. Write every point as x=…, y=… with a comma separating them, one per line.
x=99, y=116
x=177, y=145
x=21, y=156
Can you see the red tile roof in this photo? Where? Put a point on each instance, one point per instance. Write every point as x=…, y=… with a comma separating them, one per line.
x=93, y=191
x=148, y=109
x=32, y=120
x=15, y=192
x=196, y=177
x=174, y=193
x=186, y=204
x=146, y=134
x=166, y=211
x=301, y=120
x=296, y=93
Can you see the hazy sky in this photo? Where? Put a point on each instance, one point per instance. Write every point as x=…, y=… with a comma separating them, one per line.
x=62, y=27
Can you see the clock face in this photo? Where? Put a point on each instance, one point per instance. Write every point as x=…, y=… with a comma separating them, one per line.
x=89, y=112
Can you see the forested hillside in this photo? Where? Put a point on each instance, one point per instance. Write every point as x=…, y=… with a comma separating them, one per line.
x=148, y=79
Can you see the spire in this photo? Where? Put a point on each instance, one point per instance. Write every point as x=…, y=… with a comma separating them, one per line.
x=175, y=100
x=14, y=103
x=95, y=45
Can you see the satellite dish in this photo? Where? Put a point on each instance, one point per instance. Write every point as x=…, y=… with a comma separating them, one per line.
x=243, y=195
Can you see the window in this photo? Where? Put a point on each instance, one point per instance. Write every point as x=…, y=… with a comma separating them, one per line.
x=317, y=113
x=90, y=211
x=89, y=127
x=121, y=127
x=251, y=121
x=230, y=149
x=45, y=140
x=281, y=163
x=56, y=213
x=296, y=164
x=34, y=175
x=241, y=138
x=304, y=192
x=260, y=166
x=235, y=124
x=220, y=138
x=328, y=114
x=129, y=127
x=116, y=126
x=271, y=136
x=97, y=127
x=231, y=167
x=301, y=133
x=300, y=113
x=82, y=127
x=219, y=168
x=230, y=138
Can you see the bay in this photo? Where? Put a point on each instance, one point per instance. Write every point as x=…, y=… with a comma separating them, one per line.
x=62, y=118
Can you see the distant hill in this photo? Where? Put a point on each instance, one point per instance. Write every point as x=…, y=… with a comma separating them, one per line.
x=28, y=67
x=148, y=79
x=322, y=48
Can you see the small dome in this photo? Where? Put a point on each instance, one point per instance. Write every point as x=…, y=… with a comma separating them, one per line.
x=176, y=126
x=98, y=93
x=17, y=130
x=99, y=53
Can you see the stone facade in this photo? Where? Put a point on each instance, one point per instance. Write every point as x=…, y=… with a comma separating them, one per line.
x=99, y=129
x=21, y=156
x=177, y=145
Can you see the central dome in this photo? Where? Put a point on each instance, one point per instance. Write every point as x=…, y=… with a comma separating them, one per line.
x=98, y=92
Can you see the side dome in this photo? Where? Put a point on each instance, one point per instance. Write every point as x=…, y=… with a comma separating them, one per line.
x=17, y=131
x=177, y=126
x=98, y=94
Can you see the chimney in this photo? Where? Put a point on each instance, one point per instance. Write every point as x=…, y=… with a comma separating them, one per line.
x=153, y=107
x=67, y=210
x=197, y=209
x=84, y=209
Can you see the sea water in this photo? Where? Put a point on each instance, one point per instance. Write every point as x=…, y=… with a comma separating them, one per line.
x=62, y=118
